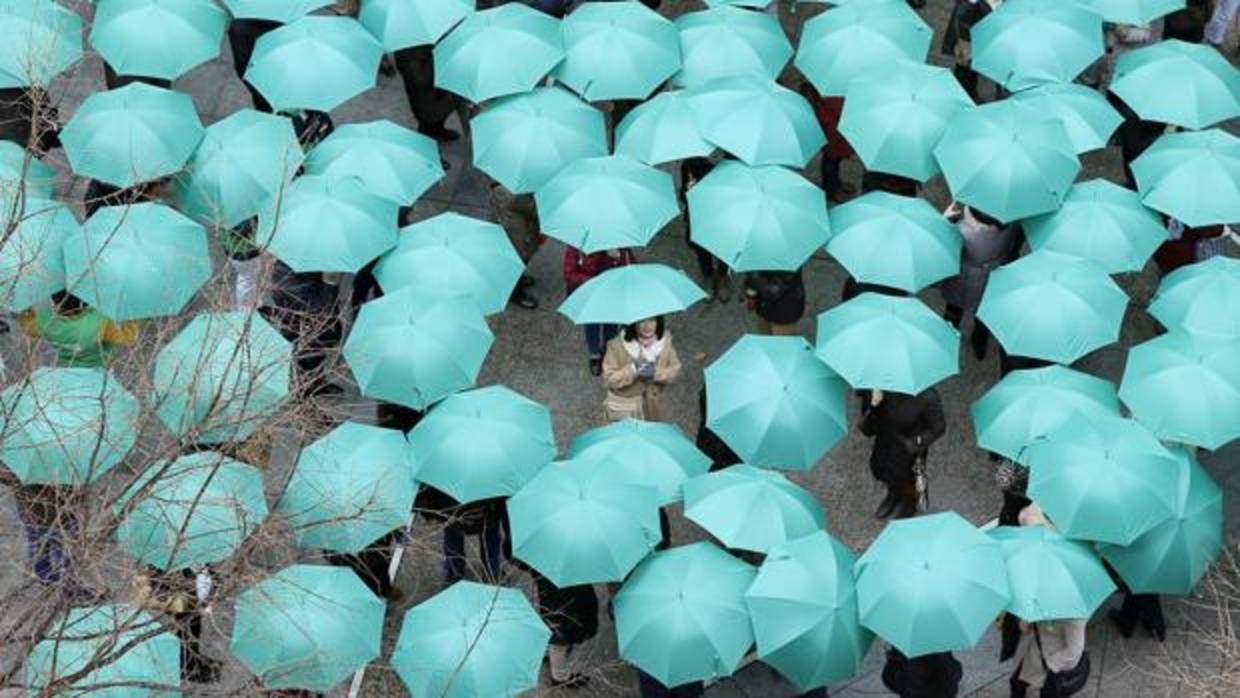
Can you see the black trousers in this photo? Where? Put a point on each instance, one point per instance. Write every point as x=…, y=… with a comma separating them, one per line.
x=430, y=105
x=243, y=34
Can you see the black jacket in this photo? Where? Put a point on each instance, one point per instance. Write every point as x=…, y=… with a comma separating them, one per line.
x=570, y=612
x=779, y=296
x=930, y=676
x=897, y=425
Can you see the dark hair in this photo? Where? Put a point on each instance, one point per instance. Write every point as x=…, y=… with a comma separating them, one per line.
x=64, y=303
x=630, y=331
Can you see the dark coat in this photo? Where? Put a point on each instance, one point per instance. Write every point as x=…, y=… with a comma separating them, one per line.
x=930, y=676
x=897, y=424
x=570, y=612
x=965, y=15
x=778, y=296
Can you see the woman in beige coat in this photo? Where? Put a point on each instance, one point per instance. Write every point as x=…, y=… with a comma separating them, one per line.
x=638, y=365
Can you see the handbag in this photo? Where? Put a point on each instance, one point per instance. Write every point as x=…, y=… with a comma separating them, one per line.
x=1061, y=684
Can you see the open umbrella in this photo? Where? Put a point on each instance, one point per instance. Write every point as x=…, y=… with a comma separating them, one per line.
x=1026, y=43
x=749, y=508
x=757, y=120
x=400, y=24
x=895, y=241
x=325, y=224
x=42, y=38
x=119, y=647
x=308, y=627
x=1175, y=82
x=1193, y=177
x=1087, y=116
x=646, y=453
x=1051, y=577
x=755, y=4
x=189, y=34
x=501, y=51
x=603, y=203
x=1200, y=298
x=314, y=63
x=390, y=160
x=282, y=11
x=727, y=42
x=32, y=265
x=838, y=45
x=1102, y=222
x=1135, y=12
x=624, y=295
x=617, y=50
x=662, y=129
x=21, y=171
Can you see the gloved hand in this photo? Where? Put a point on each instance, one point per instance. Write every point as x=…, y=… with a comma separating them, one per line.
x=645, y=370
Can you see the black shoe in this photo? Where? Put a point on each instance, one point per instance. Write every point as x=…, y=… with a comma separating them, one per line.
x=887, y=506
x=439, y=133
x=1122, y=624
x=574, y=680
x=596, y=366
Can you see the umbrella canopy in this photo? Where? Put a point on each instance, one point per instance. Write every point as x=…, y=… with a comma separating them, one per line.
x=194, y=510
x=390, y=160
x=132, y=134
x=617, y=50
x=755, y=4
x=844, y=42
x=1200, y=298
x=482, y=443
x=1051, y=577
x=681, y=615
x=749, y=508
x=42, y=39
x=66, y=426
x=931, y=584
x=471, y=640
x=1175, y=82
x=728, y=42
x=757, y=120
x=581, y=522
x=758, y=218
x=325, y=224
x=774, y=403
x=1052, y=306
x=1102, y=222
x=624, y=295
x=314, y=63
x=1026, y=43
x=349, y=488
x=32, y=265
x=505, y=50
x=137, y=261
x=888, y=343
x=308, y=627
x=221, y=376
x=21, y=171
x=895, y=241
x=122, y=645
x=189, y=34
x=1193, y=177
x=662, y=129
x=523, y=141
x=1087, y=116
x=646, y=453
x=603, y=203
x=1135, y=12
x=400, y=24
x=282, y=11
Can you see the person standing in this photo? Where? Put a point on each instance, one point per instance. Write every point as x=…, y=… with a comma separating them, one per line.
x=431, y=106
x=714, y=272
x=778, y=299
x=184, y=595
x=82, y=337
x=636, y=369
x=903, y=426
x=579, y=268
x=708, y=442
x=518, y=215
x=483, y=519
x=572, y=615
x=987, y=244
x=935, y=675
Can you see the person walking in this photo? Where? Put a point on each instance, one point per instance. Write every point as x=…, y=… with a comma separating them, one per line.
x=714, y=272
x=518, y=215
x=305, y=312
x=935, y=675
x=637, y=368
x=987, y=244
x=81, y=335
x=372, y=563
x=572, y=615
x=903, y=427
x=579, y=268
x=778, y=299
x=708, y=442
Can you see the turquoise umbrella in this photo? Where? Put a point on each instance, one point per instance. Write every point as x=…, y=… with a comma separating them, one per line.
x=123, y=651
x=505, y=50
x=412, y=349
x=66, y=426
x=758, y=121
x=888, y=343
x=1171, y=557
x=32, y=265
x=349, y=488
x=1052, y=306
x=931, y=584
x=189, y=34
x=627, y=294
x=681, y=616
x=895, y=117
x=522, y=141
x=727, y=42
x=617, y=50
x=42, y=39
x=804, y=608
x=1026, y=43
x=755, y=4
x=748, y=508
x=1200, y=298
x=221, y=376
x=1104, y=479
x=137, y=261
x=325, y=224
x=136, y=133
x=400, y=24
x=598, y=204
x=452, y=253
x=580, y=522
x=21, y=171
x=390, y=160
x=1026, y=405
x=308, y=627
x=895, y=241
x=471, y=640
x=195, y=510
x=1102, y=222
x=647, y=453
x=1087, y=116
x=1193, y=177
x=1175, y=82
x=1185, y=388
x=1052, y=577
x=244, y=160
x=314, y=63
x=662, y=129
x=282, y=11
x=758, y=218
x=838, y=45
x=1136, y=12
x=775, y=403
x=482, y=443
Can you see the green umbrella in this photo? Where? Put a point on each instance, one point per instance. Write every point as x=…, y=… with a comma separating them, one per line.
x=221, y=376
x=1102, y=222
x=1193, y=177
x=244, y=160
x=1175, y=82
x=580, y=522
x=325, y=224
x=1172, y=556
x=931, y=584
x=728, y=42
x=505, y=50
x=66, y=426
x=1052, y=306
x=1087, y=116
x=1200, y=298
x=412, y=350
x=895, y=117
x=895, y=241
x=749, y=508
x=314, y=63
x=403, y=23
x=775, y=403
x=755, y=4
x=282, y=11
x=32, y=266
x=1135, y=12
x=1026, y=43
x=1051, y=577
x=194, y=510
x=137, y=261
x=647, y=453
x=1104, y=479
x=758, y=218
x=888, y=343
x=1026, y=405
x=522, y=141
x=617, y=50
x=454, y=254
x=471, y=640
x=482, y=443
x=41, y=39
x=349, y=488
x=124, y=650
x=758, y=121
x=627, y=294
x=136, y=133
x=21, y=171
x=662, y=129
x=189, y=34
x=847, y=40
x=390, y=160
x=308, y=627
x=681, y=615
x=603, y=203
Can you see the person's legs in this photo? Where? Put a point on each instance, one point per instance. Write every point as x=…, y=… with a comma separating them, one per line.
x=1150, y=609
x=430, y=105
x=453, y=553
x=831, y=182
x=1018, y=688
x=1126, y=617
x=906, y=497
x=490, y=545
x=1220, y=21
x=594, y=339
x=195, y=666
